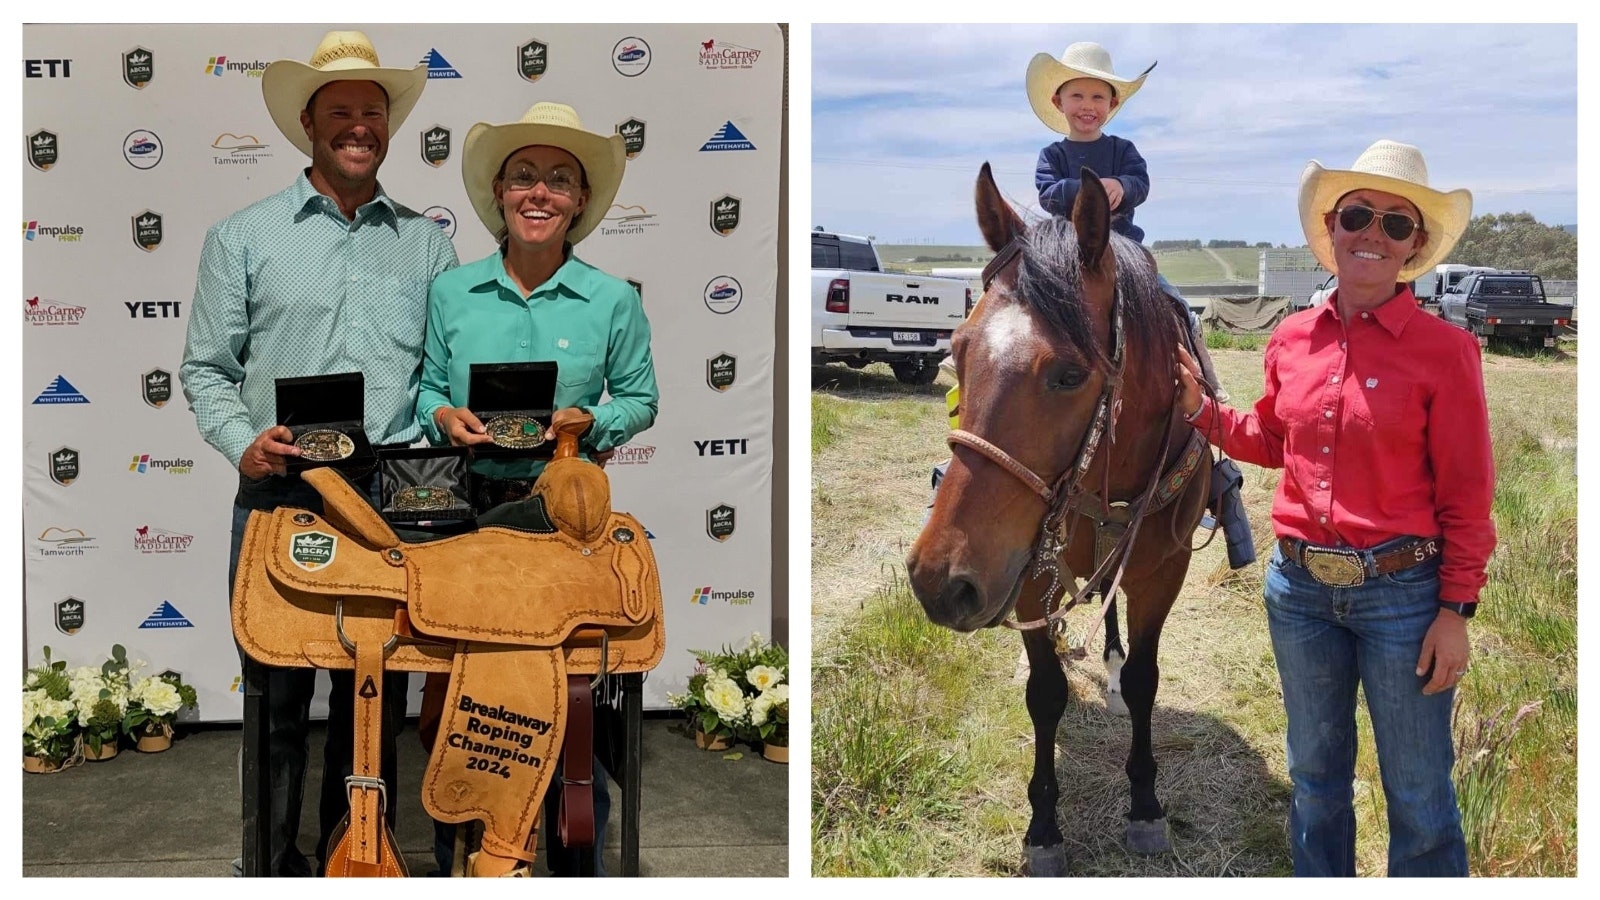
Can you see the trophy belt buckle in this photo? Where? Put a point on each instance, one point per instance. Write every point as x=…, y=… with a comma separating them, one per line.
x=515, y=432
x=423, y=497
x=325, y=445
x=1335, y=568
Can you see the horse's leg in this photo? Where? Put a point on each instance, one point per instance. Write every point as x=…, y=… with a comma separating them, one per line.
x=1114, y=657
x=1147, y=612
x=1044, y=852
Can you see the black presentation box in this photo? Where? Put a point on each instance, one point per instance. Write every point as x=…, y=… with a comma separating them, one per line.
x=333, y=402
x=427, y=468
x=517, y=389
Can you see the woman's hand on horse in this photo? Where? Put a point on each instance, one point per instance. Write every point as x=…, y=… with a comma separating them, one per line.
x=1113, y=191
x=1188, y=376
x=460, y=426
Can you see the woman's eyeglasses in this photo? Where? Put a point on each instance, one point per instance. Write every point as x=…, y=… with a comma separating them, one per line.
x=1355, y=219
x=560, y=181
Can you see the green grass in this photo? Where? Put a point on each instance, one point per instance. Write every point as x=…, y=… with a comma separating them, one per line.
x=1217, y=339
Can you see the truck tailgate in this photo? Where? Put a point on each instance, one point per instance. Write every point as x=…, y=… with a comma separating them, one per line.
x=1517, y=312
x=908, y=302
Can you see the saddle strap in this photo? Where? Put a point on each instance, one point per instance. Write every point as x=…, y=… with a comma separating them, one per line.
x=576, y=819
x=365, y=847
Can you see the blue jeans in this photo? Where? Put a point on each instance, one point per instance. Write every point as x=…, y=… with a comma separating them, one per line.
x=288, y=713
x=1327, y=640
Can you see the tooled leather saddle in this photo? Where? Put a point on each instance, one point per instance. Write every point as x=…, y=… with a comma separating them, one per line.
x=522, y=620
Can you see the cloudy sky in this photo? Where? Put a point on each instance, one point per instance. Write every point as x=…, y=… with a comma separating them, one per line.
x=903, y=116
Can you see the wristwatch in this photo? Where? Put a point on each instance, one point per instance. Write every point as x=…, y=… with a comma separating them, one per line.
x=1464, y=610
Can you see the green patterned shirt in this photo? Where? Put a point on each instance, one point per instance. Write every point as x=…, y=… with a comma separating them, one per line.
x=590, y=324
x=288, y=287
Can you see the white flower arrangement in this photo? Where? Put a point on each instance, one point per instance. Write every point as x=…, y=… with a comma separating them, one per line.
x=740, y=693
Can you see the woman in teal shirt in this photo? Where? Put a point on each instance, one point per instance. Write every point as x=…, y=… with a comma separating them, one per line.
x=540, y=185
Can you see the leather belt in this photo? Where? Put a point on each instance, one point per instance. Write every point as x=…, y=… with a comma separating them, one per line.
x=1347, y=566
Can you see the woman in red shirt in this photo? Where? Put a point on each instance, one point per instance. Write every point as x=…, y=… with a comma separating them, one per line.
x=1375, y=411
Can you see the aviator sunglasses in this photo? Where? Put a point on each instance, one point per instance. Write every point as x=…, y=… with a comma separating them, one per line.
x=1355, y=219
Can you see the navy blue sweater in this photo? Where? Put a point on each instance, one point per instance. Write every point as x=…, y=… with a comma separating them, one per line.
x=1056, y=177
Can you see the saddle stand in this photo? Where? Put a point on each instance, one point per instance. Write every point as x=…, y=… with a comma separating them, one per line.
x=525, y=623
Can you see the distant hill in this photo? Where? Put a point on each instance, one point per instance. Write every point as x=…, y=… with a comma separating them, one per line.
x=1179, y=266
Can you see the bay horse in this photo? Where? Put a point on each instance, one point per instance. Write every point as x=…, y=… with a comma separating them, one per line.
x=1068, y=418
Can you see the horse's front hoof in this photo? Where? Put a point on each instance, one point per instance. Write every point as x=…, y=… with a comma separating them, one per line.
x=1114, y=704
x=1045, y=862
x=1148, y=837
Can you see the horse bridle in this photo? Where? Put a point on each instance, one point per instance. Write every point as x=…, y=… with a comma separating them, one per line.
x=1064, y=497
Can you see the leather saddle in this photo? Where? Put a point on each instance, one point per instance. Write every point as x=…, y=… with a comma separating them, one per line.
x=523, y=621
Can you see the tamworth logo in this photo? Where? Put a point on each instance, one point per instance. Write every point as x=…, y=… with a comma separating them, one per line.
x=435, y=145
x=238, y=150
x=715, y=54
x=42, y=150
x=312, y=550
x=533, y=58
x=67, y=233
x=49, y=312
x=438, y=67
x=156, y=386
x=143, y=463
x=56, y=542
x=147, y=539
x=623, y=219
x=138, y=68
x=632, y=132
x=166, y=616
x=725, y=214
x=633, y=455
x=703, y=596
x=217, y=65
x=728, y=137
x=59, y=390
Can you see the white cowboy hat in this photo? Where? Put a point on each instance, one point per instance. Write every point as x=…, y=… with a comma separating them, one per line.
x=555, y=125
x=1084, y=59
x=1393, y=168
x=287, y=84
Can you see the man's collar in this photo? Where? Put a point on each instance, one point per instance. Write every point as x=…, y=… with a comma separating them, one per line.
x=306, y=193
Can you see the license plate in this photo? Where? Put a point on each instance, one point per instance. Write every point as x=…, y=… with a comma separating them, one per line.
x=907, y=337
x=1527, y=321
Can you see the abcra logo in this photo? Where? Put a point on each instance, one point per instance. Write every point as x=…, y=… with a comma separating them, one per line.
x=725, y=214
x=58, y=391
x=715, y=54
x=142, y=149
x=69, y=615
x=217, y=65
x=166, y=616
x=150, y=540
x=721, y=371
x=48, y=312
x=622, y=219
x=704, y=596
x=632, y=455
x=632, y=132
x=156, y=387
x=719, y=522
x=65, y=464
x=533, y=58
x=435, y=145
x=138, y=68
x=630, y=57
x=144, y=463
x=147, y=231
x=70, y=234
x=43, y=151
x=438, y=66
x=238, y=150
x=313, y=550
x=728, y=137
x=57, y=542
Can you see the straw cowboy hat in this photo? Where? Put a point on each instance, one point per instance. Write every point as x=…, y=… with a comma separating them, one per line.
x=1084, y=59
x=556, y=125
x=287, y=84
x=1396, y=169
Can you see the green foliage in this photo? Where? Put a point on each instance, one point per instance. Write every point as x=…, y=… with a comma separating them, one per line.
x=1518, y=241
x=52, y=677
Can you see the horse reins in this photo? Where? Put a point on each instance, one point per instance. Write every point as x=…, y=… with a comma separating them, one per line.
x=1065, y=496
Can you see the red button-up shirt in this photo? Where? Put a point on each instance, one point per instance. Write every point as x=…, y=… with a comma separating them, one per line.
x=1382, y=430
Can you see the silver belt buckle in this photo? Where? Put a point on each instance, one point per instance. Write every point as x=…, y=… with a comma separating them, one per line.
x=1335, y=568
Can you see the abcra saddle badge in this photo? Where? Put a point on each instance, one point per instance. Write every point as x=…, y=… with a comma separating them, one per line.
x=312, y=550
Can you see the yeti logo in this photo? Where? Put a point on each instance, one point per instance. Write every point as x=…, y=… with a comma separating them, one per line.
x=157, y=387
x=42, y=152
x=532, y=59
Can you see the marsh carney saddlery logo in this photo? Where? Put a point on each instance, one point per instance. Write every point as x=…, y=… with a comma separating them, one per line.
x=715, y=54
x=147, y=231
x=631, y=56
x=138, y=68
x=43, y=149
x=721, y=371
x=69, y=615
x=55, y=542
x=725, y=214
x=142, y=149
x=632, y=455
x=156, y=387
x=48, y=312
x=719, y=522
x=723, y=294
x=144, y=463
x=238, y=150
x=622, y=219
x=632, y=132
x=69, y=234
x=533, y=58
x=65, y=465
x=435, y=145
x=151, y=540
x=312, y=550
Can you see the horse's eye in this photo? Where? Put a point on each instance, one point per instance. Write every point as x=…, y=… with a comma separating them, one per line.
x=1069, y=379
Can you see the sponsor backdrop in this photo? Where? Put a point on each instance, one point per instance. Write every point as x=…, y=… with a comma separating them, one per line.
x=140, y=137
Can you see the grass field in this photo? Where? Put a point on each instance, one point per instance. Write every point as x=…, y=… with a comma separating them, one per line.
x=921, y=742
x=1179, y=266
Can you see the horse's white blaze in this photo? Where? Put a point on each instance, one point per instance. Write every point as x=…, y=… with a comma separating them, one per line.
x=1006, y=332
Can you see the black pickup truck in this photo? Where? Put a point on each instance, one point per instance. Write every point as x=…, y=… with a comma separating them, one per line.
x=1505, y=305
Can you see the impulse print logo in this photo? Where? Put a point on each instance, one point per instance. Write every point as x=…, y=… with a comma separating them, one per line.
x=216, y=65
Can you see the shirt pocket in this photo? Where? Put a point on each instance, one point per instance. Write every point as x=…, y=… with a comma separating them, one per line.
x=577, y=361
x=1384, y=405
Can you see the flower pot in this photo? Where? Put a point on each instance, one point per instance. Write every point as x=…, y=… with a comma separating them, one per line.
x=154, y=739
x=108, y=750
x=776, y=753
x=40, y=766
x=712, y=742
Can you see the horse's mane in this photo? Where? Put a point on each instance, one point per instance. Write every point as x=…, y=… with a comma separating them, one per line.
x=1050, y=283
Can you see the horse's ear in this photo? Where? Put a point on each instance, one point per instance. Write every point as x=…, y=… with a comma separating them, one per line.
x=1091, y=218
x=996, y=219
